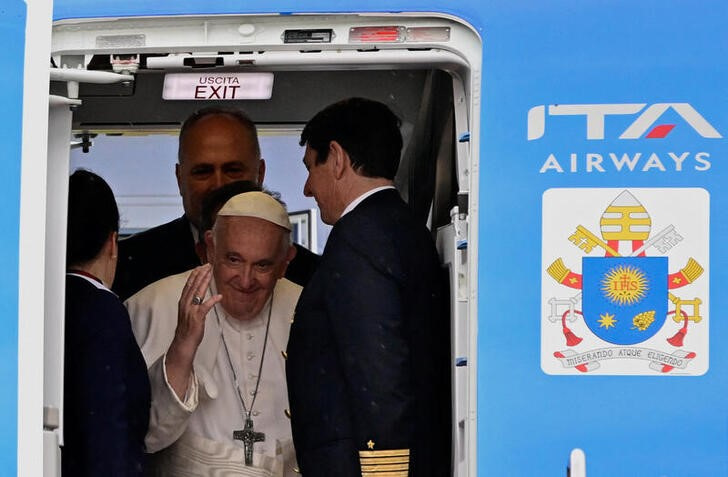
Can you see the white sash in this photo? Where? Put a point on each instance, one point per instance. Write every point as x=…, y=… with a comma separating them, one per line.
x=195, y=456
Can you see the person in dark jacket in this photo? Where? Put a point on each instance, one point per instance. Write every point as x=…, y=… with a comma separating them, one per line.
x=216, y=146
x=106, y=385
x=368, y=353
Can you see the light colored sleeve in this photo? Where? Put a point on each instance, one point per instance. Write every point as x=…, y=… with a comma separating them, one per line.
x=168, y=416
x=153, y=313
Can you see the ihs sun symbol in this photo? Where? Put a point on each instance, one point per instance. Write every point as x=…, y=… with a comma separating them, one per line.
x=606, y=320
x=624, y=285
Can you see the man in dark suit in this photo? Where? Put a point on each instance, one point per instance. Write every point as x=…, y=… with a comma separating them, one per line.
x=216, y=146
x=368, y=353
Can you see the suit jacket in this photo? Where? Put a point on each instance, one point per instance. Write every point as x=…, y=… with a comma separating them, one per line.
x=368, y=351
x=169, y=249
x=156, y=253
x=106, y=388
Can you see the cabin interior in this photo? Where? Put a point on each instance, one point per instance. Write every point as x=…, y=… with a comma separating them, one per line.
x=108, y=114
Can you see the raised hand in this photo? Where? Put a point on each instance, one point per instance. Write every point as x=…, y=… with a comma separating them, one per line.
x=191, y=314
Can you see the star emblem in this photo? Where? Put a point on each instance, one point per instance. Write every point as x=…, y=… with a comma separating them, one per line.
x=606, y=320
x=370, y=444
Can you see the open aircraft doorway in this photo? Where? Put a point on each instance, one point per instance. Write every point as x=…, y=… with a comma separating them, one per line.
x=122, y=87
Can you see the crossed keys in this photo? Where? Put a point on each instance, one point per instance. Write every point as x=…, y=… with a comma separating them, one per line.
x=586, y=241
x=663, y=241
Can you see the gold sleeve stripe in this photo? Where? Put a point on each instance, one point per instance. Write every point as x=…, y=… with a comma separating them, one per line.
x=396, y=473
x=384, y=453
x=384, y=463
x=384, y=468
x=384, y=460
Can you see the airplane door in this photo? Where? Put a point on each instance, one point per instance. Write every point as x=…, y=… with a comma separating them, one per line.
x=59, y=131
x=24, y=417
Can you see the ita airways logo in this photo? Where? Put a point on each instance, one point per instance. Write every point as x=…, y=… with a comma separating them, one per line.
x=645, y=123
x=625, y=281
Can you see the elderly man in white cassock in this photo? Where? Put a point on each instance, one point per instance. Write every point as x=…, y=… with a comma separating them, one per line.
x=213, y=340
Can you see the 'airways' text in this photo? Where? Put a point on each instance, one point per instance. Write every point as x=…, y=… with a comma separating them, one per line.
x=636, y=162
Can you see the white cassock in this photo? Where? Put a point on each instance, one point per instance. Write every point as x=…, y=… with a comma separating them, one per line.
x=195, y=436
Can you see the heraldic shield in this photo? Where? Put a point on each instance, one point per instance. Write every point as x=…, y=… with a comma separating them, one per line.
x=624, y=298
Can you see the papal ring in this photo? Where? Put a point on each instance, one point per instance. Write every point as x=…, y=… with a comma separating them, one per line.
x=196, y=300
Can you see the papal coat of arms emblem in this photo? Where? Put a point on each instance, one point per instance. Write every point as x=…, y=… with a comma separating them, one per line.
x=625, y=282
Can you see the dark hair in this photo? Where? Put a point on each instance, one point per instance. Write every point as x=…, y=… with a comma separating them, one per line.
x=233, y=113
x=216, y=198
x=92, y=217
x=368, y=130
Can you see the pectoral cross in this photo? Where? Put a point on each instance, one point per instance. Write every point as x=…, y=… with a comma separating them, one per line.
x=249, y=437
